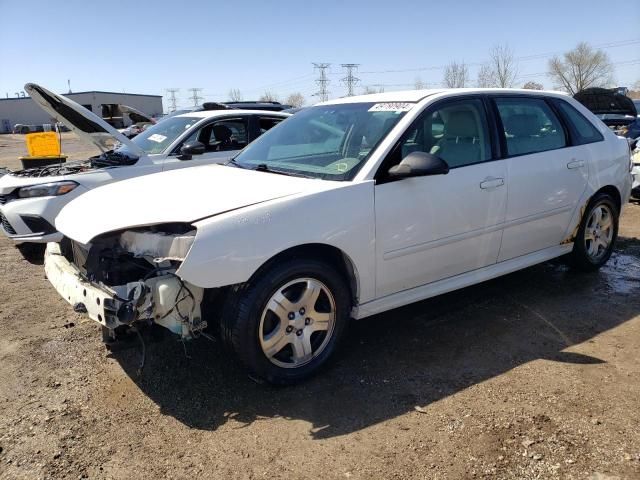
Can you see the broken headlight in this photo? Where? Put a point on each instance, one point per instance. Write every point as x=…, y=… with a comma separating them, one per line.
x=160, y=245
x=52, y=189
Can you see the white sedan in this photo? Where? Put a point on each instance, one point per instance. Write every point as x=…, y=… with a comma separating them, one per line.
x=347, y=209
x=30, y=199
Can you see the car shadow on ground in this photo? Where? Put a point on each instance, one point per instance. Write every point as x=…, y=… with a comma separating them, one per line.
x=411, y=356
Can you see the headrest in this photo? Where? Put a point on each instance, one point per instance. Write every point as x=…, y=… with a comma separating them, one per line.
x=222, y=133
x=522, y=125
x=461, y=123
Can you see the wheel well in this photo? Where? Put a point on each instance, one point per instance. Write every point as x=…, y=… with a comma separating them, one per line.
x=613, y=193
x=326, y=253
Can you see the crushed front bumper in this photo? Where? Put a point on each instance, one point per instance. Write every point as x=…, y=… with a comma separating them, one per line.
x=164, y=299
x=100, y=303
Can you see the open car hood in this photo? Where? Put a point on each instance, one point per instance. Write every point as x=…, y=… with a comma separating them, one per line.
x=135, y=115
x=87, y=125
x=184, y=195
x=602, y=101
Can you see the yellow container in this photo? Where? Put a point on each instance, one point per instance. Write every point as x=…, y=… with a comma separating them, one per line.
x=45, y=144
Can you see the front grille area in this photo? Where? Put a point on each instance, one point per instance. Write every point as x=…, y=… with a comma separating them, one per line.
x=6, y=225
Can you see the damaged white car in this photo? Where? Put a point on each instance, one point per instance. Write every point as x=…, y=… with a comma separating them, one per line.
x=30, y=199
x=347, y=209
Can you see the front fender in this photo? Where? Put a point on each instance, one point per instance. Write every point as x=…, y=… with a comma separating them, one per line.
x=229, y=248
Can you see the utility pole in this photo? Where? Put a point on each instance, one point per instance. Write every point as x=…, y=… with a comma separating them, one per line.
x=322, y=81
x=195, y=97
x=350, y=81
x=172, y=98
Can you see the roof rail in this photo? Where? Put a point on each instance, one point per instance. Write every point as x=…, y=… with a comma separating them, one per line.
x=215, y=106
x=254, y=101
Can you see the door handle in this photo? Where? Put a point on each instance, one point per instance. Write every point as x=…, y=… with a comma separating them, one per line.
x=575, y=164
x=491, y=183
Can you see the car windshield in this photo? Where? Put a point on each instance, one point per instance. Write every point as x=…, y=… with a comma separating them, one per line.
x=157, y=138
x=327, y=141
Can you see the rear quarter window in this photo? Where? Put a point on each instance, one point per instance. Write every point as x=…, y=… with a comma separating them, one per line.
x=583, y=130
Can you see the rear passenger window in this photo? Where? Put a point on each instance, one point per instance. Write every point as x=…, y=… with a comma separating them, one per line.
x=530, y=126
x=584, y=131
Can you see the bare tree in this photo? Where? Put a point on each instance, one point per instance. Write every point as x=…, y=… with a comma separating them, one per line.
x=235, y=95
x=504, y=66
x=295, y=100
x=368, y=89
x=268, y=96
x=581, y=68
x=455, y=75
x=486, y=77
x=419, y=84
x=531, y=85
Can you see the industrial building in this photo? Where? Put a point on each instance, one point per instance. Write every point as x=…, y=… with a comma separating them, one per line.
x=23, y=110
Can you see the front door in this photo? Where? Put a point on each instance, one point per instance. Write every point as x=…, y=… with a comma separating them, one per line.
x=435, y=227
x=222, y=139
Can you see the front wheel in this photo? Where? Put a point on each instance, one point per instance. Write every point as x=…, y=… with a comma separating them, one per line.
x=597, y=234
x=286, y=323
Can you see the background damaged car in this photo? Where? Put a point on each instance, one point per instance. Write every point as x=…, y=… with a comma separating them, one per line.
x=348, y=209
x=30, y=199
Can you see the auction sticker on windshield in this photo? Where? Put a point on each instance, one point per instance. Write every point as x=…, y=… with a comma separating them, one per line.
x=156, y=137
x=392, y=107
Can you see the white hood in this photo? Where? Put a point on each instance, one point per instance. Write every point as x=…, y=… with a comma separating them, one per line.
x=183, y=195
x=82, y=122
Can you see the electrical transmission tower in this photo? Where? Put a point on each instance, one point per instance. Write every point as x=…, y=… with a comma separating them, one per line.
x=172, y=98
x=350, y=80
x=322, y=81
x=195, y=97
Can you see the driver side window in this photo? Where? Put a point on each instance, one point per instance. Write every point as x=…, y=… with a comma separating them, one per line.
x=221, y=136
x=456, y=131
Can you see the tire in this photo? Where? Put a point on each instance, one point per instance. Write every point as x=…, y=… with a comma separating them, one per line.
x=285, y=345
x=594, y=244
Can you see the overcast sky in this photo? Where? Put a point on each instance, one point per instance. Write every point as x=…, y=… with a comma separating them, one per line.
x=147, y=47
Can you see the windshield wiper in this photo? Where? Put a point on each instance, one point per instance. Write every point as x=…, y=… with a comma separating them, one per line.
x=235, y=164
x=263, y=167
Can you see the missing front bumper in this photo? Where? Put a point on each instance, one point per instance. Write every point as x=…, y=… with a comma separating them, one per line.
x=164, y=299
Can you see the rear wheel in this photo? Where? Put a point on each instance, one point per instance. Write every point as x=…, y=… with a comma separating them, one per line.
x=286, y=323
x=597, y=234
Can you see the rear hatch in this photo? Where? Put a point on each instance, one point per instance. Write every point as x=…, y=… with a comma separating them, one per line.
x=613, y=108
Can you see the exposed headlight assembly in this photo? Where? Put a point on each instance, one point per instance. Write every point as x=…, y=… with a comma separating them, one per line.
x=159, y=245
x=52, y=189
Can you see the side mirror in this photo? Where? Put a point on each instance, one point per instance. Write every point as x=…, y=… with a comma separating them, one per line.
x=190, y=149
x=419, y=164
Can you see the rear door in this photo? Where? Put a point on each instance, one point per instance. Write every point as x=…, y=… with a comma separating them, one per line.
x=547, y=176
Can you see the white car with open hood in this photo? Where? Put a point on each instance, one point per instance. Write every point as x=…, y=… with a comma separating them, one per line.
x=349, y=208
x=31, y=199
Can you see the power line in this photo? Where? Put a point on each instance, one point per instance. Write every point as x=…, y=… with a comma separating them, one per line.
x=350, y=81
x=623, y=43
x=195, y=96
x=322, y=81
x=172, y=98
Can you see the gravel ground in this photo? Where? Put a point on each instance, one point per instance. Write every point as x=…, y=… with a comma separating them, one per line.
x=531, y=376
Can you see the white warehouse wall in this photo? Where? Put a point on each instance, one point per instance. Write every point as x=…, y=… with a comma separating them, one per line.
x=27, y=112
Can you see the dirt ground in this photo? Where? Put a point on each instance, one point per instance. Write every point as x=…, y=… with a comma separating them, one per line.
x=531, y=376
